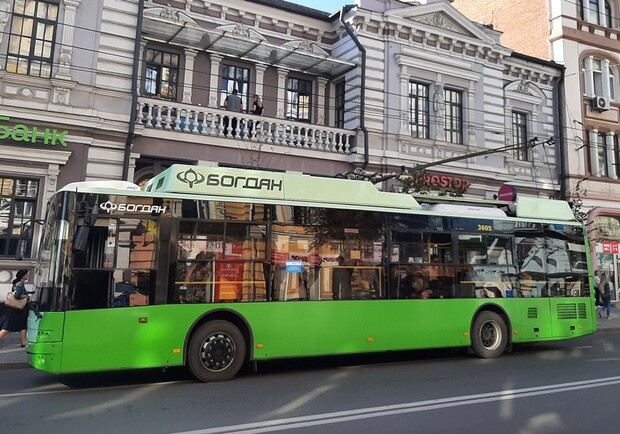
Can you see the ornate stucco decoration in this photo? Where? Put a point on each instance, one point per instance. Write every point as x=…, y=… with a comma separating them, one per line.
x=242, y=31
x=441, y=21
x=5, y=14
x=307, y=46
x=168, y=13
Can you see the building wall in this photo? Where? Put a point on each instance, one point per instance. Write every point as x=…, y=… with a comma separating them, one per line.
x=434, y=44
x=524, y=23
x=86, y=102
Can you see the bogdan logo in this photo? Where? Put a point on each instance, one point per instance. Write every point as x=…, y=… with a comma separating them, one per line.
x=111, y=207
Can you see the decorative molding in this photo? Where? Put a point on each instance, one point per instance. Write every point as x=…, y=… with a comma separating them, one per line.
x=5, y=14
x=243, y=31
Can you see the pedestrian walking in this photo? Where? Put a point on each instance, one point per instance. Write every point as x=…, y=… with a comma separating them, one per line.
x=15, y=320
x=597, y=293
x=605, y=288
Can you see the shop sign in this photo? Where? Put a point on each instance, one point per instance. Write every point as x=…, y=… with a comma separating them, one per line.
x=507, y=192
x=606, y=246
x=614, y=247
x=423, y=182
x=25, y=133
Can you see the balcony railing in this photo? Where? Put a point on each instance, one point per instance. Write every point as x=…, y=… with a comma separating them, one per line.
x=198, y=120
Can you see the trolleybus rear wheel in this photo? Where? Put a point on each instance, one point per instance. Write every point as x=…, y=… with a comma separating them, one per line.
x=489, y=335
x=216, y=351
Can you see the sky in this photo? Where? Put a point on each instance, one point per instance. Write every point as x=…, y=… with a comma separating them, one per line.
x=323, y=5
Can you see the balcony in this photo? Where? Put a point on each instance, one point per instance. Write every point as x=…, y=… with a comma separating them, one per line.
x=213, y=122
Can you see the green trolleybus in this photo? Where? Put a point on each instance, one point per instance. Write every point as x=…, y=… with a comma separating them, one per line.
x=214, y=267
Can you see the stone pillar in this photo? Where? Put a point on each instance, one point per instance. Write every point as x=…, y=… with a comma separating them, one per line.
x=140, y=68
x=439, y=106
x=281, y=103
x=214, y=80
x=66, y=48
x=605, y=78
x=188, y=80
x=5, y=15
x=470, y=139
x=587, y=76
x=320, y=100
x=594, y=167
x=259, y=70
x=611, y=155
x=404, y=102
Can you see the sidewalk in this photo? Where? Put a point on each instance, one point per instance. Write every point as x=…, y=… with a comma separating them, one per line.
x=12, y=356
x=614, y=322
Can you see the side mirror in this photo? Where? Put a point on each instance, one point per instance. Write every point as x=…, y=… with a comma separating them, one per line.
x=24, y=241
x=22, y=246
x=80, y=242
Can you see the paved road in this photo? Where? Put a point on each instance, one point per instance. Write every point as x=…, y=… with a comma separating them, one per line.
x=558, y=387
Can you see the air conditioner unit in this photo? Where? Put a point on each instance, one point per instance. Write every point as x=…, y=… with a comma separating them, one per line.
x=600, y=103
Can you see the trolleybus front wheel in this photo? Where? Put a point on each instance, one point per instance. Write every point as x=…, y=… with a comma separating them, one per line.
x=216, y=351
x=489, y=335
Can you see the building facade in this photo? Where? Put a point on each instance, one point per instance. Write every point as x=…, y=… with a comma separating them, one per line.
x=127, y=88
x=584, y=36
x=64, y=107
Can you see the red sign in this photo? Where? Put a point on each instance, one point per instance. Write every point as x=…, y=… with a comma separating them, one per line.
x=507, y=192
x=314, y=259
x=606, y=246
x=614, y=247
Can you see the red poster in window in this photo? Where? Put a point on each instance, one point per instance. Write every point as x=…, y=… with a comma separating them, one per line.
x=614, y=247
x=228, y=281
x=606, y=246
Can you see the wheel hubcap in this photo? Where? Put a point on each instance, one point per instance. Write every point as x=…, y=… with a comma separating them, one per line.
x=217, y=352
x=490, y=335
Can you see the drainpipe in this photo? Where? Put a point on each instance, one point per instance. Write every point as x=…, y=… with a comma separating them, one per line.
x=559, y=98
x=347, y=27
x=134, y=91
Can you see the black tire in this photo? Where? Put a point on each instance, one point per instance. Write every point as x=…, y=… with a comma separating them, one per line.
x=489, y=335
x=216, y=352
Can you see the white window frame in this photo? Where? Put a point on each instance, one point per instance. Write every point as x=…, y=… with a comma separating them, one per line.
x=593, y=69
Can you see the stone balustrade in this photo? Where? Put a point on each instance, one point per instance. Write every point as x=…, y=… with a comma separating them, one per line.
x=192, y=119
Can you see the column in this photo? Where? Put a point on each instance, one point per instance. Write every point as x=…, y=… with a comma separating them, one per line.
x=587, y=76
x=5, y=15
x=214, y=79
x=139, y=88
x=611, y=155
x=470, y=113
x=594, y=167
x=404, y=102
x=281, y=103
x=66, y=48
x=259, y=70
x=190, y=57
x=605, y=78
x=320, y=100
x=439, y=106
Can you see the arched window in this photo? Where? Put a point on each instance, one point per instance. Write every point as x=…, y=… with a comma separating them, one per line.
x=599, y=78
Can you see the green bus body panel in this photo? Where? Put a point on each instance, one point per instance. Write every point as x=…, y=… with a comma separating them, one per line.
x=538, y=208
x=156, y=336
x=258, y=184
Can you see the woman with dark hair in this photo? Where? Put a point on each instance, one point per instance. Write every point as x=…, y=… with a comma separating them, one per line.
x=15, y=319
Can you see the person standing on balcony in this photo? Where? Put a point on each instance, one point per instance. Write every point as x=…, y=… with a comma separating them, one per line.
x=257, y=109
x=232, y=103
